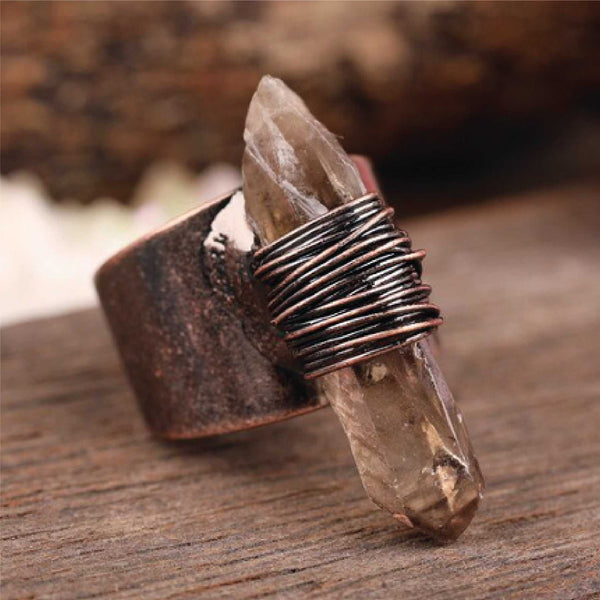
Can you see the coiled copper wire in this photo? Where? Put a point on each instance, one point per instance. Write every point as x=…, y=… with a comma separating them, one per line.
x=346, y=286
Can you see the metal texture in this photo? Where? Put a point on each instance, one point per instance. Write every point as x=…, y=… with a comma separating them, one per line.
x=194, y=334
x=346, y=286
x=194, y=339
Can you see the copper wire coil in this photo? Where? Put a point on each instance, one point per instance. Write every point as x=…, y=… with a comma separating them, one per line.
x=346, y=286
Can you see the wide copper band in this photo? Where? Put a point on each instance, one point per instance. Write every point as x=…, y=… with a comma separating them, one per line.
x=194, y=335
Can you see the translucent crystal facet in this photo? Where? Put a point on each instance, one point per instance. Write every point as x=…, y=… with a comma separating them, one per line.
x=406, y=434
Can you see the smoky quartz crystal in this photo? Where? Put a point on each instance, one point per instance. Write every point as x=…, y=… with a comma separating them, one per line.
x=407, y=436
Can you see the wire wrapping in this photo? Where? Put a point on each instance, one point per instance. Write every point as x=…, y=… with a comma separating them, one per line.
x=346, y=286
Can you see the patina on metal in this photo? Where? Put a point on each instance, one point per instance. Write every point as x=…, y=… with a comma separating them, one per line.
x=192, y=332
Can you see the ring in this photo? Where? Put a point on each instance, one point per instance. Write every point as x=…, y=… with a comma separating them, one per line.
x=296, y=292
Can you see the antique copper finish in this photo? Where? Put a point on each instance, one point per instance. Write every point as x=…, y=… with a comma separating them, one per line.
x=194, y=334
x=198, y=349
x=346, y=287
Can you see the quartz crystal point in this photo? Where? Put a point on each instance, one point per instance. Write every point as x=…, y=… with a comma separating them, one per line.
x=407, y=436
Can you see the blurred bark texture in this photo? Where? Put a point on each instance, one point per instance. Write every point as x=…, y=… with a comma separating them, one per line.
x=92, y=92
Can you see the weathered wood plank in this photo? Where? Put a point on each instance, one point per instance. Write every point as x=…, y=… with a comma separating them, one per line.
x=93, y=506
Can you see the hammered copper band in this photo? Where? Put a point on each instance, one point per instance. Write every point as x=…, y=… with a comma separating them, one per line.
x=194, y=337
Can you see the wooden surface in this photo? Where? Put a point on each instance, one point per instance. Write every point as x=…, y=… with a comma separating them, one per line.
x=93, y=506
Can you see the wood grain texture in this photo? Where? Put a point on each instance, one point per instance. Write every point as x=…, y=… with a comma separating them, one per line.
x=94, y=507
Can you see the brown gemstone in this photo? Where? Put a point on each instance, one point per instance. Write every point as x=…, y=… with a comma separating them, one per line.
x=407, y=436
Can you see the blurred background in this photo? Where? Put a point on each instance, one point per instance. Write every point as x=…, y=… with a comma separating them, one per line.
x=119, y=115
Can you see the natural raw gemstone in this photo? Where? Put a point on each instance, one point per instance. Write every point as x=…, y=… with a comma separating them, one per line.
x=407, y=436
x=294, y=168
